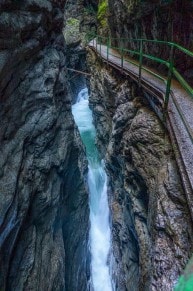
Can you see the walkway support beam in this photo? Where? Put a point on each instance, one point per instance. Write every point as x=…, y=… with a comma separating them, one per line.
x=140, y=60
x=108, y=47
x=96, y=41
x=100, y=44
x=122, y=56
x=169, y=80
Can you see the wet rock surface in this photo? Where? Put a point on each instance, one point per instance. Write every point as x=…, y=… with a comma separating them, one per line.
x=42, y=163
x=151, y=223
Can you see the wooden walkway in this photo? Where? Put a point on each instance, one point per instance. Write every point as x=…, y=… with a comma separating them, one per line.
x=179, y=121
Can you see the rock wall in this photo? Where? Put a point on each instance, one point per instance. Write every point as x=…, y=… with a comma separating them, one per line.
x=166, y=20
x=151, y=223
x=42, y=163
x=85, y=11
x=163, y=20
x=80, y=19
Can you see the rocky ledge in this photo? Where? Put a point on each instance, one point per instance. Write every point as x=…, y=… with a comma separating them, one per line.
x=151, y=223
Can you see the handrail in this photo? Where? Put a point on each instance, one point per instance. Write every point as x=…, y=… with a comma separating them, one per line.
x=183, y=49
x=172, y=71
x=176, y=116
x=170, y=43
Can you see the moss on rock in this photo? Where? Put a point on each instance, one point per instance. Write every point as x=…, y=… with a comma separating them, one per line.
x=72, y=31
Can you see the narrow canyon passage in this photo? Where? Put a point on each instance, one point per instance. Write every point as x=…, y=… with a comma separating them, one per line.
x=99, y=201
x=99, y=209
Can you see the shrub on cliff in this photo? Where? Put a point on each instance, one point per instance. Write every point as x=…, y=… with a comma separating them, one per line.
x=102, y=16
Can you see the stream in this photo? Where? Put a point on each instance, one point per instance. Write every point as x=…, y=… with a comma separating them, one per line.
x=99, y=210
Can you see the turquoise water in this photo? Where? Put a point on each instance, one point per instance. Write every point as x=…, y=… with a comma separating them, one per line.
x=99, y=209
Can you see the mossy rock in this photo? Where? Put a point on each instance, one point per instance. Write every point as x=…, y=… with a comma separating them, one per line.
x=72, y=31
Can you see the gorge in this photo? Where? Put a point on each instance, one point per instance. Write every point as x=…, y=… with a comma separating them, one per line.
x=90, y=199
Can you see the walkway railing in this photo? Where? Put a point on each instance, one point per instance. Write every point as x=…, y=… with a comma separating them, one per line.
x=172, y=71
x=176, y=112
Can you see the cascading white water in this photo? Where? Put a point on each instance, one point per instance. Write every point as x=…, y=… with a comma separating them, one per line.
x=99, y=209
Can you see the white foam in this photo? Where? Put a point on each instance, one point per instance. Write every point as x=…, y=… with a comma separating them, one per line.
x=99, y=209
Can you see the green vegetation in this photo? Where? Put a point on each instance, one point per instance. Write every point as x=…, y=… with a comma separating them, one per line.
x=72, y=22
x=102, y=13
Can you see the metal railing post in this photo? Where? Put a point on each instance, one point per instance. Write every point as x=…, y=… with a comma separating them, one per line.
x=140, y=60
x=122, y=59
x=96, y=41
x=108, y=46
x=169, y=80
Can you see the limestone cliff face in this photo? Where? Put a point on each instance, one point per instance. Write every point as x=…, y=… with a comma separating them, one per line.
x=166, y=20
x=42, y=164
x=151, y=224
x=162, y=20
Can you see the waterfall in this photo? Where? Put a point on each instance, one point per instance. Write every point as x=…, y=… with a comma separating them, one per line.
x=99, y=209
